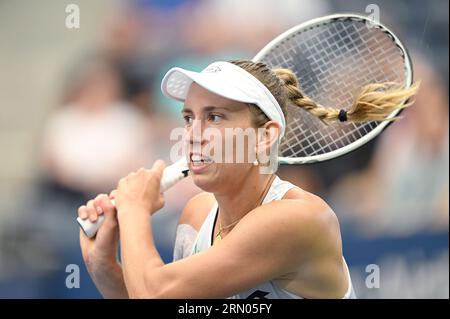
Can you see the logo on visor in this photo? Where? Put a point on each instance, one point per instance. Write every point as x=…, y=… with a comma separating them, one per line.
x=212, y=69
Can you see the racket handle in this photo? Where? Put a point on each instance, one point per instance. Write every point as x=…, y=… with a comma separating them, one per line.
x=171, y=175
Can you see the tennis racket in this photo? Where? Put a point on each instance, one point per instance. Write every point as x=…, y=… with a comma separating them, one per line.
x=333, y=57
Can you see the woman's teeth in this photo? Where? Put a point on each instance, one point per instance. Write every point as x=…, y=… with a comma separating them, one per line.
x=200, y=160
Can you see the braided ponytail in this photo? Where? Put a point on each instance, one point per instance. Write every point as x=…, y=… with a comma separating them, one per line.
x=375, y=102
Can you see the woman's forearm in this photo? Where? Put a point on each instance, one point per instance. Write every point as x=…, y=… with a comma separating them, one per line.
x=108, y=279
x=139, y=254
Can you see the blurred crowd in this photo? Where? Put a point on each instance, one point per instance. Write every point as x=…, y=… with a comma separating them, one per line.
x=111, y=118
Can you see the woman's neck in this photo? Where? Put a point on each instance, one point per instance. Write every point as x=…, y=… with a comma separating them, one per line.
x=242, y=197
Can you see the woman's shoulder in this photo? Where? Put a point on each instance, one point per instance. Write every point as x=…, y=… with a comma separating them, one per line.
x=196, y=210
x=305, y=212
x=300, y=198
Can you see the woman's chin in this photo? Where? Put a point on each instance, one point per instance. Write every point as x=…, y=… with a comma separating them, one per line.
x=204, y=182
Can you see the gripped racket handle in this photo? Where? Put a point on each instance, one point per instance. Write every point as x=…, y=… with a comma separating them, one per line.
x=171, y=175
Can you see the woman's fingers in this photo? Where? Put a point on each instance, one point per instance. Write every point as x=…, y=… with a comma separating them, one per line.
x=88, y=211
x=92, y=211
x=94, y=208
x=112, y=195
x=99, y=203
x=158, y=168
x=104, y=201
x=82, y=212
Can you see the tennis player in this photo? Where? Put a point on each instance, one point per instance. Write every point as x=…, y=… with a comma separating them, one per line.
x=249, y=235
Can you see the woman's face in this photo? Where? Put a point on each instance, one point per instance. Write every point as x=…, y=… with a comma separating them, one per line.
x=216, y=159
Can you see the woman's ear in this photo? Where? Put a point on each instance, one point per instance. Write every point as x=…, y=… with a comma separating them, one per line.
x=267, y=138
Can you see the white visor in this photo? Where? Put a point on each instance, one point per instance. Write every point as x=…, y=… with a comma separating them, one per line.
x=227, y=80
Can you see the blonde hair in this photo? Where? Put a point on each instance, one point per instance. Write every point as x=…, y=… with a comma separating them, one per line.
x=374, y=102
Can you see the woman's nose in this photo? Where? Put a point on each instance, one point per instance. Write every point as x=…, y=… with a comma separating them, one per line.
x=195, y=132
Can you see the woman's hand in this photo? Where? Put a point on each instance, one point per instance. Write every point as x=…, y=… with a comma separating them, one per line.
x=103, y=247
x=140, y=191
x=100, y=252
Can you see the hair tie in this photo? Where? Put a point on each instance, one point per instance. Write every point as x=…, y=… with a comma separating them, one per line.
x=343, y=115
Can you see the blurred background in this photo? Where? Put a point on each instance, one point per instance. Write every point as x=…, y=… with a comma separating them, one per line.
x=80, y=108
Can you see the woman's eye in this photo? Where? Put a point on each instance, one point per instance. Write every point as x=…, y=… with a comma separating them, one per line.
x=187, y=119
x=215, y=118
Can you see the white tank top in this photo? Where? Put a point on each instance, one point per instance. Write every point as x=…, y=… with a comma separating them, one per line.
x=189, y=242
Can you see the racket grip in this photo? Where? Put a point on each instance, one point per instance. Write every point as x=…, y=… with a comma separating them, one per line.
x=171, y=175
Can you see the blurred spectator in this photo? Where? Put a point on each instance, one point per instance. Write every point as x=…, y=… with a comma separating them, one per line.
x=406, y=187
x=120, y=44
x=96, y=138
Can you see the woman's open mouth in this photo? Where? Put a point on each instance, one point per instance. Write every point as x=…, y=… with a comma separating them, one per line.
x=198, y=163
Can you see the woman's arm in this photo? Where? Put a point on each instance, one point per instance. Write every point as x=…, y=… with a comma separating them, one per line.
x=108, y=278
x=270, y=241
